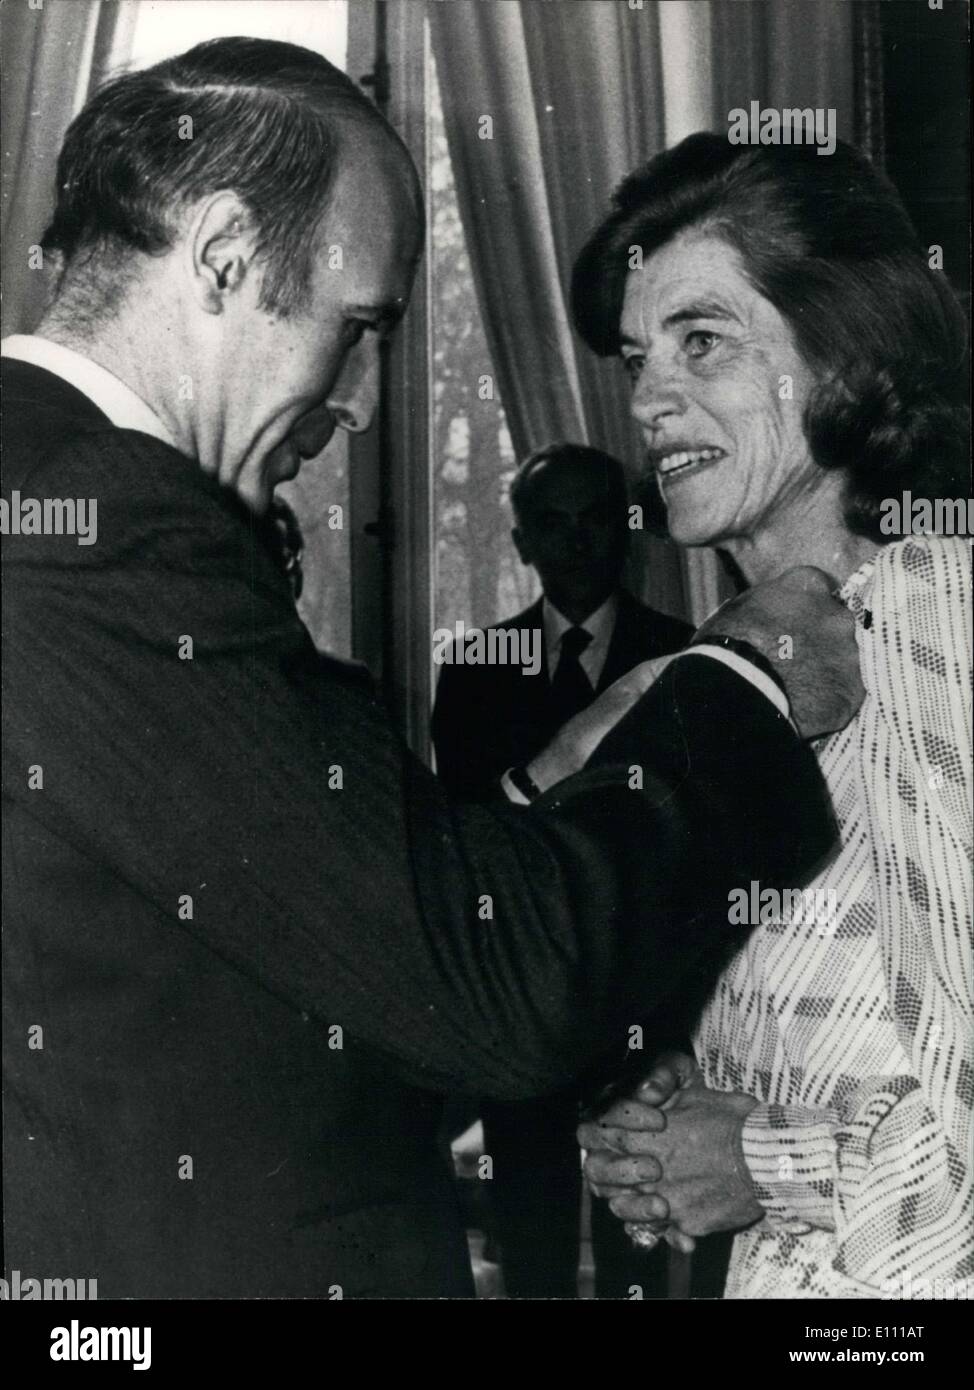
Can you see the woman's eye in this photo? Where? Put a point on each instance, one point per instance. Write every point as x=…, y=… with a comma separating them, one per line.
x=699, y=342
x=633, y=366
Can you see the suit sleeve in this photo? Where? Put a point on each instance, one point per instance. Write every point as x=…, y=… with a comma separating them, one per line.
x=460, y=726
x=489, y=948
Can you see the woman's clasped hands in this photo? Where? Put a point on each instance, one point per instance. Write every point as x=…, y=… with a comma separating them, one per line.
x=669, y=1159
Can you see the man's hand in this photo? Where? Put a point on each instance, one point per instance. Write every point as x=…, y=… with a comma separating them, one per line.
x=678, y=1161
x=818, y=664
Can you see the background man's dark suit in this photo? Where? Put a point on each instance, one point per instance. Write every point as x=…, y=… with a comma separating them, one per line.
x=487, y=719
x=170, y=1037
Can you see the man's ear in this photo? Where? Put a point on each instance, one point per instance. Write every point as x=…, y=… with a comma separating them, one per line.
x=222, y=248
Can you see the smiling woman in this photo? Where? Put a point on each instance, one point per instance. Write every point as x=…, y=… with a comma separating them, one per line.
x=707, y=357
x=794, y=361
x=810, y=266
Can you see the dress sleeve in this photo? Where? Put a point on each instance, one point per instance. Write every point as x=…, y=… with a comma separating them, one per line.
x=888, y=1172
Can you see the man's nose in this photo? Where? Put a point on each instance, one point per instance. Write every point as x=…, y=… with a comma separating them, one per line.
x=355, y=395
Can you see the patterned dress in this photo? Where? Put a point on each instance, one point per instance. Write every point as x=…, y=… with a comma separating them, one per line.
x=854, y=1029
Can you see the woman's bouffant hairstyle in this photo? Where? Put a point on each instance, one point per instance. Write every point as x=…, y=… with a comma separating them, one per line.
x=262, y=118
x=826, y=239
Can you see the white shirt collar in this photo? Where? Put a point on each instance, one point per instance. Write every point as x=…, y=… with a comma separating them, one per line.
x=103, y=388
x=600, y=625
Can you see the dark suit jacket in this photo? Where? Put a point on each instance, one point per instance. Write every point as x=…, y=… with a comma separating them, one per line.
x=487, y=719
x=207, y=1033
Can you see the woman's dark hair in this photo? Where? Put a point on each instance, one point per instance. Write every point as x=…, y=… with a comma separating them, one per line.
x=826, y=239
x=259, y=117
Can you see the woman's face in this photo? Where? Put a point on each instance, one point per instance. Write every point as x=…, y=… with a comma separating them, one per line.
x=718, y=390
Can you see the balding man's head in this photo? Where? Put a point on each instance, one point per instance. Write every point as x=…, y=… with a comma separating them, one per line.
x=239, y=228
x=271, y=122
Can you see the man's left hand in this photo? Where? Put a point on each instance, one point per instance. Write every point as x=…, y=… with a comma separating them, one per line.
x=690, y=1168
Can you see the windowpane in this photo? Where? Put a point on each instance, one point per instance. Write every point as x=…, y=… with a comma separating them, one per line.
x=477, y=575
x=166, y=27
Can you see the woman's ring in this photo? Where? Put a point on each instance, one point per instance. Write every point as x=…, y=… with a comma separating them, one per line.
x=642, y=1235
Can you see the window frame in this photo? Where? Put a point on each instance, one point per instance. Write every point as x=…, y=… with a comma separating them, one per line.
x=390, y=467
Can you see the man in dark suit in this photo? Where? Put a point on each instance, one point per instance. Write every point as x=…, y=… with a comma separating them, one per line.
x=571, y=524
x=570, y=512
x=249, y=940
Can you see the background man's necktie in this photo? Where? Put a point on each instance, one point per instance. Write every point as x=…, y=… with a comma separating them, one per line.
x=571, y=690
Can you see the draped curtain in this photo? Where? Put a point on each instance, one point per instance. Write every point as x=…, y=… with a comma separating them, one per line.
x=573, y=94
x=548, y=104
x=53, y=56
